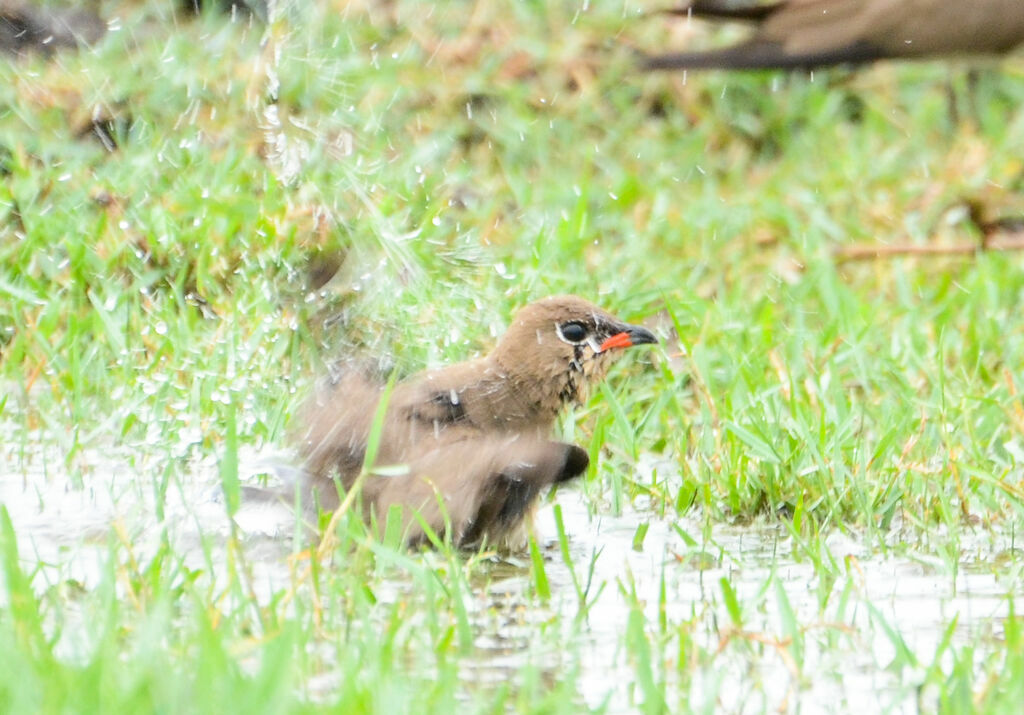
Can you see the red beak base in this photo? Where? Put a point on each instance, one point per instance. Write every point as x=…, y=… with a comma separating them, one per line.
x=619, y=340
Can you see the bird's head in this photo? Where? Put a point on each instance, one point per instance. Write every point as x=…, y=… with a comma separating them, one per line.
x=563, y=345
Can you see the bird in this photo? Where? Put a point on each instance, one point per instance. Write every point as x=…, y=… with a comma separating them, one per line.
x=465, y=450
x=25, y=28
x=806, y=34
x=255, y=8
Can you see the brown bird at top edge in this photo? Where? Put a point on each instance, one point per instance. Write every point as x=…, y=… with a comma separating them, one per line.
x=26, y=27
x=472, y=440
x=804, y=34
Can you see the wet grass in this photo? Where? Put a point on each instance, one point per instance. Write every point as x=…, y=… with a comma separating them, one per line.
x=397, y=178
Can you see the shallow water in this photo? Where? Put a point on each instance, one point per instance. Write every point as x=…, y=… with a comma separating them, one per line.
x=848, y=610
x=842, y=648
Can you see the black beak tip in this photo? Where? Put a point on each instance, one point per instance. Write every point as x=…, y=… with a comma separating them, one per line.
x=641, y=336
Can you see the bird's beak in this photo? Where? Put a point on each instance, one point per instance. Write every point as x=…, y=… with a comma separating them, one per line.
x=628, y=335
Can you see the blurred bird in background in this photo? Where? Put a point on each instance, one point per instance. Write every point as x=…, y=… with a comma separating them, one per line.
x=805, y=34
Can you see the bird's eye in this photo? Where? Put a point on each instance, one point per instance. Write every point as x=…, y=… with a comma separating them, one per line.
x=573, y=332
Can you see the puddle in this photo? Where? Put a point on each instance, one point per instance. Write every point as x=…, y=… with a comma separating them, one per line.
x=842, y=647
x=851, y=615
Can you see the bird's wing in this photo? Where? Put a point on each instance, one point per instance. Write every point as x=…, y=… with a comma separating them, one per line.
x=437, y=408
x=798, y=34
x=727, y=10
x=482, y=488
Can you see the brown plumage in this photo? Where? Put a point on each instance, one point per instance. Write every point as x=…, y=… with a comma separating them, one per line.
x=804, y=34
x=470, y=439
x=25, y=27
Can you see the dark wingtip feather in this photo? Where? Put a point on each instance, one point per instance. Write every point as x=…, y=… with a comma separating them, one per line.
x=725, y=10
x=576, y=462
x=760, y=56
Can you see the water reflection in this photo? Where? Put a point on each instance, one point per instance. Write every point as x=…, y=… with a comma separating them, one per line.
x=856, y=607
